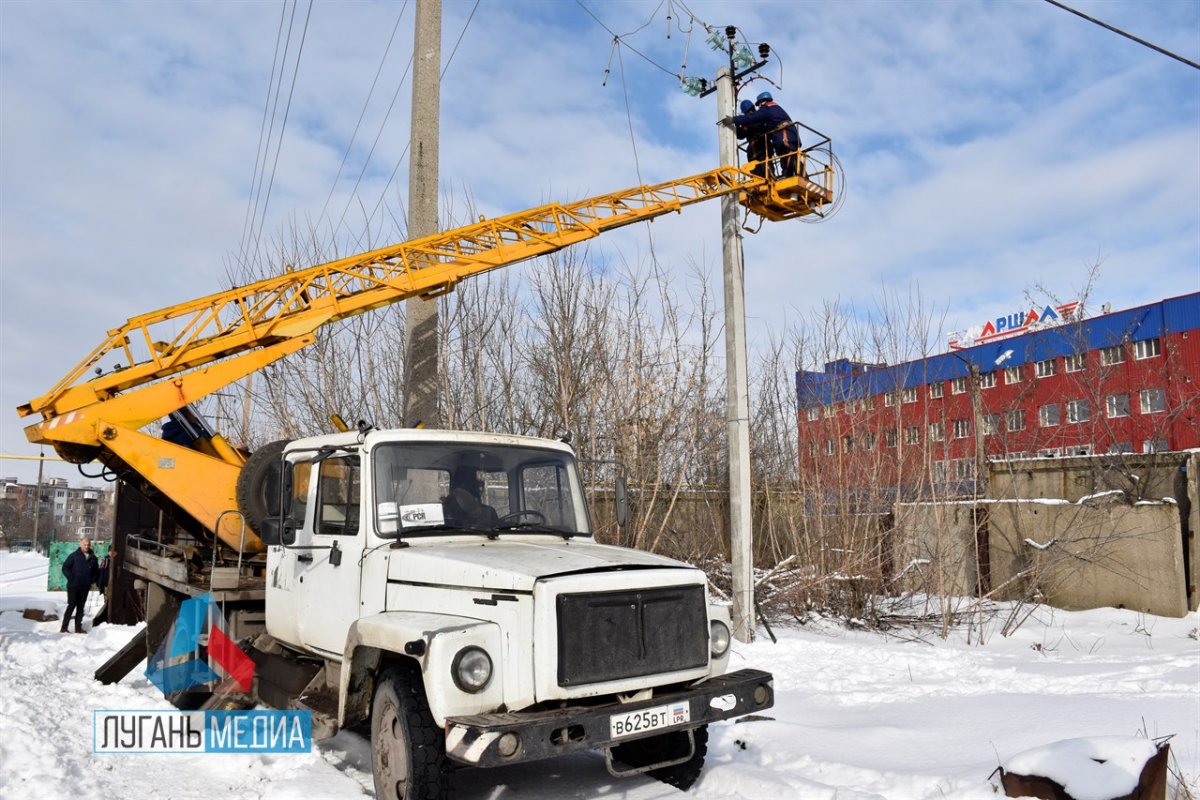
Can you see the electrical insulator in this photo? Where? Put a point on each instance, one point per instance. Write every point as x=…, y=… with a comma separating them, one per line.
x=693, y=86
x=715, y=41
x=730, y=32
x=742, y=58
x=764, y=50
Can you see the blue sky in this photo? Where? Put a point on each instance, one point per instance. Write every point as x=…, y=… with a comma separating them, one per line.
x=989, y=148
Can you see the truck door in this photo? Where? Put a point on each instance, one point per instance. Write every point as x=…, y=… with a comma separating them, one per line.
x=329, y=572
x=283, y=568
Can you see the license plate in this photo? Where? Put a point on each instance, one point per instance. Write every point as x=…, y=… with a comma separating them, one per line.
x=649, y=719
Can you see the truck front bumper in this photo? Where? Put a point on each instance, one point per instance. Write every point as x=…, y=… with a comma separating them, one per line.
x=489, y=740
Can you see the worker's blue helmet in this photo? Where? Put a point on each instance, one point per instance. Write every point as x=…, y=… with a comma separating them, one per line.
x=764, y=97
x=747, y=106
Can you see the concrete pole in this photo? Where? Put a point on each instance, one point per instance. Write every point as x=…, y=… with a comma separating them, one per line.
x=421, y=370
x=37, y=500
x=737, y=404
x=981, y=468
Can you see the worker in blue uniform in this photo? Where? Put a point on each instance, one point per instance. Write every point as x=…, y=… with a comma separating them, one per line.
x=769, y=117
x=756, y=142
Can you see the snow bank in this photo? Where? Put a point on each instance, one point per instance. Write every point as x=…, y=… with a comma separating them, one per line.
x=858, y=715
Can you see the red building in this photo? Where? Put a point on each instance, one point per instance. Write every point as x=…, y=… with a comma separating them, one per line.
x=1032, y=385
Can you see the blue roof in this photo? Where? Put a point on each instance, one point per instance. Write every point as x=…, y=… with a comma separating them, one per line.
x=1170, y=316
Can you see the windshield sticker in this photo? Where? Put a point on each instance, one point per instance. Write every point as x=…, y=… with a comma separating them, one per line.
x=421, y=514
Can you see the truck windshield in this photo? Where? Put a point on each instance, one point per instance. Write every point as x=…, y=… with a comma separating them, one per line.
x=430, y=488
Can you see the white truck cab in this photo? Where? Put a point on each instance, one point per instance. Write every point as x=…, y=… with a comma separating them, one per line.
x=451, y=587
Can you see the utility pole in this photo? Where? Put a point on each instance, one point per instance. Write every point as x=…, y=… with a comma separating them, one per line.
x=737, y=403
x=421, y=370
x=981, y=474
x=37, y=498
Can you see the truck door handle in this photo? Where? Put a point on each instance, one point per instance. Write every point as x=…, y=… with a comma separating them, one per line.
x=304, y=557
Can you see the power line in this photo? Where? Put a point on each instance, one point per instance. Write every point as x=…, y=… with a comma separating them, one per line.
x=404, y=153
x=283, y=126
x=1130, y=36
x=617, y=38
x=363, y=113
x=262, y=128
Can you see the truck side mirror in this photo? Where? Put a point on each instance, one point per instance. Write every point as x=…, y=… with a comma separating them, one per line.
x=621, y=498
x=276, y=531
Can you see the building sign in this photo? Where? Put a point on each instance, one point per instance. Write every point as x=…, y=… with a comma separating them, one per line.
x=1014, y=325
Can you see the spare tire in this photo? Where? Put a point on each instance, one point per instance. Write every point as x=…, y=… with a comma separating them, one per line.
x=259, y=484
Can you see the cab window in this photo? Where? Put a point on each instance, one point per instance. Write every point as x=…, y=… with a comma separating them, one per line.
x=337, y=496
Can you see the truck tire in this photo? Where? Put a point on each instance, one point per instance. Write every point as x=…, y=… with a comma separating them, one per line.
x=408, y=751
x=667, y=747
x=258, y=484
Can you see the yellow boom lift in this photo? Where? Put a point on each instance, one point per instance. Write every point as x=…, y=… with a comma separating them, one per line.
x=171, y=358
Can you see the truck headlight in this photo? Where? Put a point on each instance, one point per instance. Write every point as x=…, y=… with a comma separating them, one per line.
x=718, y=638
x=472, y=669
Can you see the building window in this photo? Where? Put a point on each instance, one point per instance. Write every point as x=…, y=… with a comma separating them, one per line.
x=1012, y=375
x=1047, y=368
x=912, y=434
x=1117, y=405
x=1120, y=447
x=936, y=389
x=937, y=431
x=1049, y=452
x=962, y=428
x=889, y=437
x=1015, y=420
x=1147, y=348
x=1075, y=362
x=958, y=386
x=939, y=471
x=889, y=399
x=987, y=380
x=964, y=469
x=813, y=414
x=991, y=424
x=909, y=395
x=1153, y=401
x=1078, y=411
x=829, y=447
x=829, y=411
x=869, y=441
x=1112, y=355
x=1048, y=416
x=1154, y=446
x=847, y=444
x=812, y=448
x=1079, y=450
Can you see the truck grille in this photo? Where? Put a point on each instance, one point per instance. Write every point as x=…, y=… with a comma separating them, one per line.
x=605, y=636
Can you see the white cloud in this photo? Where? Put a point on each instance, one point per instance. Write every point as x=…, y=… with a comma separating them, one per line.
x=988, y=147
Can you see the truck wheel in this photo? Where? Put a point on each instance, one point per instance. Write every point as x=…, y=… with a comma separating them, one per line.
x=667, y=747
x=258, y=484
x=408, y=751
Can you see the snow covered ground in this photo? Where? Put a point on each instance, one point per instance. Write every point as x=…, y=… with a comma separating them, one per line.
x=858, y=715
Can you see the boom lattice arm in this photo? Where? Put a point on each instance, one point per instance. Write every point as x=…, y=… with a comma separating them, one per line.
x=181, y=353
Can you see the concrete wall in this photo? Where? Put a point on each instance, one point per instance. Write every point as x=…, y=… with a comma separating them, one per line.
x=1100, y=552
x=1090, y=555
x=1143, y=477
x=934, y=548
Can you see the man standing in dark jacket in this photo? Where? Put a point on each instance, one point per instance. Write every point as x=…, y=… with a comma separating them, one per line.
x=770, y=118
x=81, y=570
